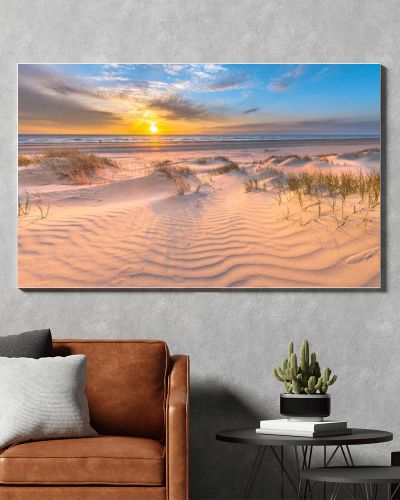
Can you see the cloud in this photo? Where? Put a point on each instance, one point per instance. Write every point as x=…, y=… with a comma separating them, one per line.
x=295, y=72
x=65, y=88
x=197, y=70
x=40, y=77
x=287, y=79
x=205, y=77
x=48, y=97
x=278, y=86
x=35, y=106
x=107, y=77
x=175, y=107
x=230, y=81
x=174, y=69
x=213, y=68
x=338, y=125
x=251, y=110
x=321, y=73
x=118, y=67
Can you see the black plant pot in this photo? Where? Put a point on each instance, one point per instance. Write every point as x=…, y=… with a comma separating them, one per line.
x=305, y=406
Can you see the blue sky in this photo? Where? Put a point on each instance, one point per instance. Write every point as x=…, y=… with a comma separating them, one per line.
x=200, y=98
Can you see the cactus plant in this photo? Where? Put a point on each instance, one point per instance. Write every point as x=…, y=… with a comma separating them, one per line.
x=305, y=377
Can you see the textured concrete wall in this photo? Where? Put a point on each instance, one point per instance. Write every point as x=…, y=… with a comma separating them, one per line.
x=234, y=338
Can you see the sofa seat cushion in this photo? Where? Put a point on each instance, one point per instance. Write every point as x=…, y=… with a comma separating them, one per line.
x=103, y=460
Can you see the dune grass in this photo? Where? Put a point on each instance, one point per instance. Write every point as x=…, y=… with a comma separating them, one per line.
x=230, y=166
x=24, y=205
x=280, y=159
x=28, y=200
x=176, y=173
x=370, y=150
x=171, y=170
x=79, y=167
x=318, y=188
x=25, y=160
x=158, y=164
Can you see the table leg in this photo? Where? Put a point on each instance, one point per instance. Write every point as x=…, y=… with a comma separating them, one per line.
x=324, y=466
x=306, y=464
x=282, y=495
x=335, y=491
x=254, y=471
x=284, y=470
x=307, y=456
x=279, y=456
x=390, y=494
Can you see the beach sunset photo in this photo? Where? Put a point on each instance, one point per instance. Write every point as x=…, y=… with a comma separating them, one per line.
x=199, y=176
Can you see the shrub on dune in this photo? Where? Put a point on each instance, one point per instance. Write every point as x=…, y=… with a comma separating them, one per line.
x=79, y=167
x=159, y=164
x=320, y=187
x=25, y=160
x=176, y=173
x=225, y=169
x=170, y=170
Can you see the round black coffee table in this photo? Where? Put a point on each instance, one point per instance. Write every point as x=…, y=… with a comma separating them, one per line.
x=369, y=476
x=303, y=450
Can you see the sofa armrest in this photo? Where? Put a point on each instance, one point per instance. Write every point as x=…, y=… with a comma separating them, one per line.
x=177, y=431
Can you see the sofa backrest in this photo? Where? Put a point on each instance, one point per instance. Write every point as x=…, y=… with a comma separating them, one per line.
x=126, y=386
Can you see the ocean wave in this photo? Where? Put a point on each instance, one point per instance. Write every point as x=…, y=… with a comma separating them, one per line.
x=173, y=139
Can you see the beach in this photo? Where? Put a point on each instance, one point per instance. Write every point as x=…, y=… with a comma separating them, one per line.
x=200, y=214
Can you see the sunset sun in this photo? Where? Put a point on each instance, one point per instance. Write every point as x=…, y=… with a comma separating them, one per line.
x=153, y=128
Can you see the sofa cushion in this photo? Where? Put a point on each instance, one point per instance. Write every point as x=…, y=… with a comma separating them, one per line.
x=126, y=386
x=103, y=460
x=43, y=399
x=34, y=344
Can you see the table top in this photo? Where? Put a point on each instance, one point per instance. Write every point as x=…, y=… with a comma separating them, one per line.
x=249, y=436
x=353, y=475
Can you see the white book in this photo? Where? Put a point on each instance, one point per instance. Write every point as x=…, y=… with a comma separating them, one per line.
x=303, y=425
x=311, y=434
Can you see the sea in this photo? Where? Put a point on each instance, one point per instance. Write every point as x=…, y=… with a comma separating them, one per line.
x=43, y=139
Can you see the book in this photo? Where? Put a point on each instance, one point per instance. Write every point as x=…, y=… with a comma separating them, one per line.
x=311, y=434
x=303, y=425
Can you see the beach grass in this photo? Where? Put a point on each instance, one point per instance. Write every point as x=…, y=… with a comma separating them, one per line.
x=176, y=173
x=316, y=188
x=79, y=167
x=28, y=200
x=230, y=166
x=24, y=205
x=25, y=160
x=171, y=170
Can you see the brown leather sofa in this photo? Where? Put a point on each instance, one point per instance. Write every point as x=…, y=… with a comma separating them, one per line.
x=139, y=400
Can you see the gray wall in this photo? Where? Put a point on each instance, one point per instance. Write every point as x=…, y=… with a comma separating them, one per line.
x=234, y=339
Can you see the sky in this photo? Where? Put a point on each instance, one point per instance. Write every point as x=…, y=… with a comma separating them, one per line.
x=244, y=99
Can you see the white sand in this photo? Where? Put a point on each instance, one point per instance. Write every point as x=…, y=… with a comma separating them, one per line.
x=134, y=230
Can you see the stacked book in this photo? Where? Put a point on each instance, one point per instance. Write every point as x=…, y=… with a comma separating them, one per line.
x=303, y=428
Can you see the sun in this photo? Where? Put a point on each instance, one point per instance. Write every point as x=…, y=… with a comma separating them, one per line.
x=153, y=128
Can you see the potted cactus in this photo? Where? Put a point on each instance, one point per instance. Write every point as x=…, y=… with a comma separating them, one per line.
x=306, y=386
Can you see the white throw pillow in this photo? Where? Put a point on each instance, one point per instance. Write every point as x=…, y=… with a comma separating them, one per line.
x=43, y=399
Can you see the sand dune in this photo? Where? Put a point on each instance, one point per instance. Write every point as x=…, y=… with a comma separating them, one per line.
x=137, y=231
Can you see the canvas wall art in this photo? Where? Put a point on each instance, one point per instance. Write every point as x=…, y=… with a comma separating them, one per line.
x=199, y=176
